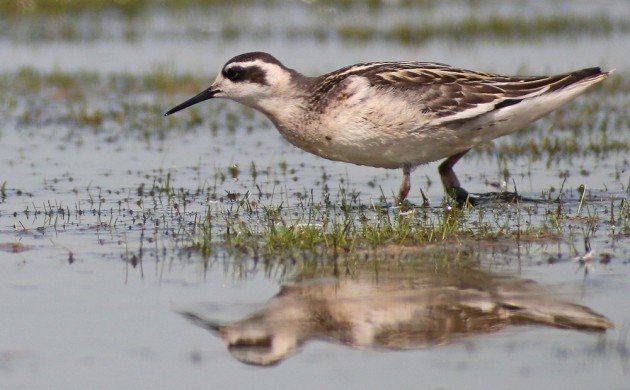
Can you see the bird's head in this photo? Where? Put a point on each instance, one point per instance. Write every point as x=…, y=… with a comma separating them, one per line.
x=253, y=79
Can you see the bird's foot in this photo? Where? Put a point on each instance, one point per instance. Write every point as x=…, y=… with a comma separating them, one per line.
x=504, y=196
x=461, y=196
x=404, y=205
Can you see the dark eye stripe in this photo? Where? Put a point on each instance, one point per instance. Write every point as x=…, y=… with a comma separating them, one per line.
x=251, y=74
x=234, y=73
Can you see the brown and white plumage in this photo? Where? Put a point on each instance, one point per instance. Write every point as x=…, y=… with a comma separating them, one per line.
x=393, y=114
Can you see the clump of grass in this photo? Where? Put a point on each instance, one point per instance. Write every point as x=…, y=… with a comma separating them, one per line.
x=347, y=226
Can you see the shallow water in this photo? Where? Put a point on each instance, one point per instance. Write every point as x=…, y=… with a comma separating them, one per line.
x=95, y=266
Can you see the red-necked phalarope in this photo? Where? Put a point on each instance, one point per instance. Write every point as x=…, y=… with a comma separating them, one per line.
x=393, y=114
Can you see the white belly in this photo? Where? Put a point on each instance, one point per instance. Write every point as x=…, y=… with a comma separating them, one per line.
x=388, y=139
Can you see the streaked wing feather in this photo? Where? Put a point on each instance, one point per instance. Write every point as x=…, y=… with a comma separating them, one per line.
x=454, y=94
x=449, y=93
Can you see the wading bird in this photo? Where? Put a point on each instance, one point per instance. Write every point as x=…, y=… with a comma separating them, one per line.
x=393, y=114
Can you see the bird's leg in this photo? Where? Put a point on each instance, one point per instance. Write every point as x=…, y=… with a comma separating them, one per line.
x=405, y=186
x=450, y=181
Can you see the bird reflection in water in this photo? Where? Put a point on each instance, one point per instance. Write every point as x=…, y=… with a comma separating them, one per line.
x=394, y=310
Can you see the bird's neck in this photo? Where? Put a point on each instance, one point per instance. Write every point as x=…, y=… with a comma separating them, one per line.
x=286, y=107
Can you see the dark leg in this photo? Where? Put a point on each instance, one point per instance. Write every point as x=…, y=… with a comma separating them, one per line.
x=405, y=186
x=450, y=181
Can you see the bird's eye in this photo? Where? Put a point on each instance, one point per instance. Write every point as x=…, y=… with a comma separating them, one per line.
x=232, y=74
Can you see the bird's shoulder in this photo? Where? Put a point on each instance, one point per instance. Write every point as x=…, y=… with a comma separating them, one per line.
x=403, y=74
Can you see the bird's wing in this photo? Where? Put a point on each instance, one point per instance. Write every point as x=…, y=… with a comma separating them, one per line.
x=450, y=94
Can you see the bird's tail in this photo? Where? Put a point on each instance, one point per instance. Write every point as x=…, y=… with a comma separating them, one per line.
x=530, y=308
x=579, y=79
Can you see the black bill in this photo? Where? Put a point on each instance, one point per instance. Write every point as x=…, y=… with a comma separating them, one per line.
x=205, y=95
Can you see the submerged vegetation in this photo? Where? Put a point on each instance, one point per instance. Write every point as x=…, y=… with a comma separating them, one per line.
x=320, y=229
x=324, y=224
